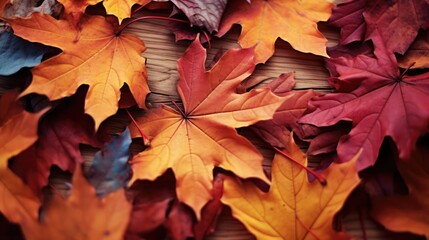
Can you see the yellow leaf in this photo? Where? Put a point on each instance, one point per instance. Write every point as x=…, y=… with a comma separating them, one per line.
x=293, y=208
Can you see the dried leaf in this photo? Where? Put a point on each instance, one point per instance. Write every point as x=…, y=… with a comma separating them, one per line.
x=417, y=54
x=264, y=21
x=293, y=208
x=202, y=13
x=16, y=53
x=60, y=134
x=110, y=170
x=376, y=99
x=408, y=212
x=397, y=21
x=18, y=128
x=193, y=141
x=276, y=132
x=98, y=57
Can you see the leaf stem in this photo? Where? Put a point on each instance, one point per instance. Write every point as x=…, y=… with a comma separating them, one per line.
x=179, y=109
x=319, y=177
x=146, y=140
x=406, y=70
x=207, y=38
x=123, y=26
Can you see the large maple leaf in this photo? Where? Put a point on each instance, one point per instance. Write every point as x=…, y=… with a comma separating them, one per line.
x=380, y=102
x=98, y=57
x=81, y=216
x=293, y=208
x=264, y=21
x=193, y=141
x=408, y=212
x=18, y=128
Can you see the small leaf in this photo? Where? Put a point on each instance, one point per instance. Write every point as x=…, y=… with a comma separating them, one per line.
x=16, y=53
x=110, y=169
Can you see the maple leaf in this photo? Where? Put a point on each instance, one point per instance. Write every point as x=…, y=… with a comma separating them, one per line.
x=417, y=53
x=407, y=212
x=60, y=134
x=18, y=128
x=87, y=217
x=349, y=17
x=202, y=13
x=16, y=53
x=110, y=170
x=277, y=130
x=122, y=8
x=264, y=21
x=382, y=102
x=193, y=141
x=397, y=21
x=293, y=208
x=74, y=9
x=100, y=58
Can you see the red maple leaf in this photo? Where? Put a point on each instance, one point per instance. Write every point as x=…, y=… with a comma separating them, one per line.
x=378, y=99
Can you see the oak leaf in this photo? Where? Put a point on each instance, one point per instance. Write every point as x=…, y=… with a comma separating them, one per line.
x=378, y=100
x=293, y=208
x=264, y=21
x=18, y=128
x=195, y=140
x=99, y=58
x=417, y=53
x=60, y=134
x=408, y=212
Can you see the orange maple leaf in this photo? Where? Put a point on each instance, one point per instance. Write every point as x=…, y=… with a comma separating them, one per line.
x=408, y=213
x=81, y=216
x=74, y=9
x=18, y=128
x=293, y=208
x=264, y=21
x=193, y=141
x=100, y=58
x=120, y=8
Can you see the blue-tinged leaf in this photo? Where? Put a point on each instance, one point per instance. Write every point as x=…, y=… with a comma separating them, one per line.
x=16, y=53
x=110, y=170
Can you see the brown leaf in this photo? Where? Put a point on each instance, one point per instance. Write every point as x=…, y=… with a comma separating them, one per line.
x=202, y=13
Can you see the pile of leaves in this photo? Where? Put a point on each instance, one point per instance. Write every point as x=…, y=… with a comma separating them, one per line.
x=71, y=70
